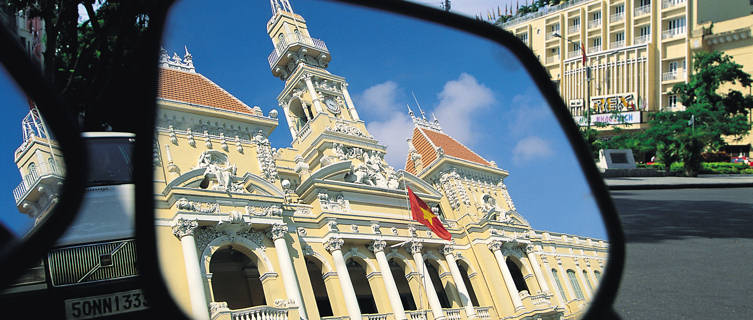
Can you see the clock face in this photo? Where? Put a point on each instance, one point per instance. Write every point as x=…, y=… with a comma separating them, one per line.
x=332, y=105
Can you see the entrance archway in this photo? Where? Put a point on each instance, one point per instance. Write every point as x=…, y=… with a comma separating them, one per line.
x=235, y=279
x=361, y=286
x=323, y=303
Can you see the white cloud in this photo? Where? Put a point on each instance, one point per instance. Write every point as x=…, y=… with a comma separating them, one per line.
x=459, y=101
x=386, y=120
x=393, y=133
x=529, y=109
x=379, y=100
x=531, y=148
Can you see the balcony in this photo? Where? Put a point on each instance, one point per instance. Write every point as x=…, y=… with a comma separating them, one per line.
x=552, y=59
x=672, y=33
x=43, y=172
x=573, y=29
x=594, y=49
x=643, y=39
x=617, y=17
x=482, y=313
x=593, y=24
x=220, y=311
x=550, y=35
x=642, y=10
x=573, y=54
x=673, y=75
x=416, y=315
x=617, y=44
x=290, y=40
x=671, y=3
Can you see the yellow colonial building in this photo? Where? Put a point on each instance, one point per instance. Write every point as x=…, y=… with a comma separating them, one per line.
x=637, y=50
x=321, y=229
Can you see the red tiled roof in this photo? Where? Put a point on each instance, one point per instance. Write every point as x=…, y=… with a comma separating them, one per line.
x=196, y=89
x=426, y=140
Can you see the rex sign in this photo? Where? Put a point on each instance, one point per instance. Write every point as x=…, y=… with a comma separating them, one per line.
x=607, y=104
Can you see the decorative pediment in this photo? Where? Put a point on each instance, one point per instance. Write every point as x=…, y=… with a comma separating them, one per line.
x=248, y=183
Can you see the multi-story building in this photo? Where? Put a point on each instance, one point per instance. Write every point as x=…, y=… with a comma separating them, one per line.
x=321, y=229
x=636, y=50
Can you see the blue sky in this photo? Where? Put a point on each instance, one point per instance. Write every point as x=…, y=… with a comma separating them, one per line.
x=477, y=89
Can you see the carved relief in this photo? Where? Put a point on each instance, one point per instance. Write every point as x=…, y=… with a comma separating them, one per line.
x=373, y=171
x=453, y=188
x=345, y=128
x=266, y=157
x=217, y=168
x=334, y=202
x=184, y=227
x=270, y=210
x=197, y=206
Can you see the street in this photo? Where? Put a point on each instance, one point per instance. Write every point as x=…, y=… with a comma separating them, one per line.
x=689, y=253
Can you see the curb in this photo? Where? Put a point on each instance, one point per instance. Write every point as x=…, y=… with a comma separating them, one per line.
x=680, y=186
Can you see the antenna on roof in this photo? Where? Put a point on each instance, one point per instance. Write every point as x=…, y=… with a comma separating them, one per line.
x=410, y=112
x=423, y=115
x=446, y=5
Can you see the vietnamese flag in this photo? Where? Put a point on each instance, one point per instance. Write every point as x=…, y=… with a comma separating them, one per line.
x=423, y=214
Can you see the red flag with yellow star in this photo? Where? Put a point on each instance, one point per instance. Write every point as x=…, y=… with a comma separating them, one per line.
x=421, y=213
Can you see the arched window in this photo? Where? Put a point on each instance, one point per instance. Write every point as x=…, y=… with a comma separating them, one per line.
x=597, y=274
x=235, y=279
x=517, y=275
x=52, y=164
x=559, y=285
x=574, y=284
x=362, y=288
x=585, y=277
x=320, y=290
x=432, y=272
x=468, y=285
x=32, y=169
x=403, y=288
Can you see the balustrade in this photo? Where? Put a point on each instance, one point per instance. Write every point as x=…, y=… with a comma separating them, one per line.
x=260, y=313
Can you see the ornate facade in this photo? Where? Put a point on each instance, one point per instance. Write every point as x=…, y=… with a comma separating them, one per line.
x=322, y=228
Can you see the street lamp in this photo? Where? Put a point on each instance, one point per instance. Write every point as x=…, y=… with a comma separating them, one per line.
x=587, y=101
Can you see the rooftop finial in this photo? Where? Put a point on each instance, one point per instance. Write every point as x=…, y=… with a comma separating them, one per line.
x=410, y=112
x=280, y=5
x=423, y=115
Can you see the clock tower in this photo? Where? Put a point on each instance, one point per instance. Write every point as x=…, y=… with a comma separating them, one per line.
x=320, y=113
x=301, y=61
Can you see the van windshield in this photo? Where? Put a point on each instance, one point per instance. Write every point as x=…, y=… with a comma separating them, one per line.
x=110, y=161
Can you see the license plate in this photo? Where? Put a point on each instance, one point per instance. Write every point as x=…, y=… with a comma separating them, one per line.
x=105, y=305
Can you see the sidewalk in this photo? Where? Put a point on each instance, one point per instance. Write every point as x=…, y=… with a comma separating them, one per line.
x=702, y=181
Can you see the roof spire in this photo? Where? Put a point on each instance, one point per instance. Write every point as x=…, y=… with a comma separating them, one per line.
x=410, y=112
x=280, y=5
x=423, y=115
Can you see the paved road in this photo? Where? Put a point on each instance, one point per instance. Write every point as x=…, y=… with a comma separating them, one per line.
x=689, y=254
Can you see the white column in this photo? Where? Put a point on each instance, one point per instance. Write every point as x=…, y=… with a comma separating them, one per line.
x=568, y=287
x=389, y=282
x=334, y=246
x=536, y=269
x=286, y=267
x=312, y=92
x=560, y=299
x=496, y=247
x=349, y=101
x=465, y=298
x=431, y=293
x=183, y=229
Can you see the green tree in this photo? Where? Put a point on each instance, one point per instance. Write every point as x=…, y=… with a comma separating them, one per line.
x=709, y=114
x=91, y=63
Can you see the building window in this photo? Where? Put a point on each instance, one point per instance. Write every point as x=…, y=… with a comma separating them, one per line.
x=619, y=10
x=440, y=289
x=556, y=28
x=597, y=274
x=403, y=288
x=596, y=16
x=596, y=42
x=523, y=37
x=620, y=36
x=363, y=292
x=672, y=101
x=585, y=276
x=517, y=276
x=559, y=285
x=644, y=31
x=676, y=24
x=468, y=284
x=575, y=285
x=642, y=3
x=672, y=67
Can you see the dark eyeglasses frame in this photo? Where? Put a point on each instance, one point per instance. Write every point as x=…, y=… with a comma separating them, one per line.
x=18, y=254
